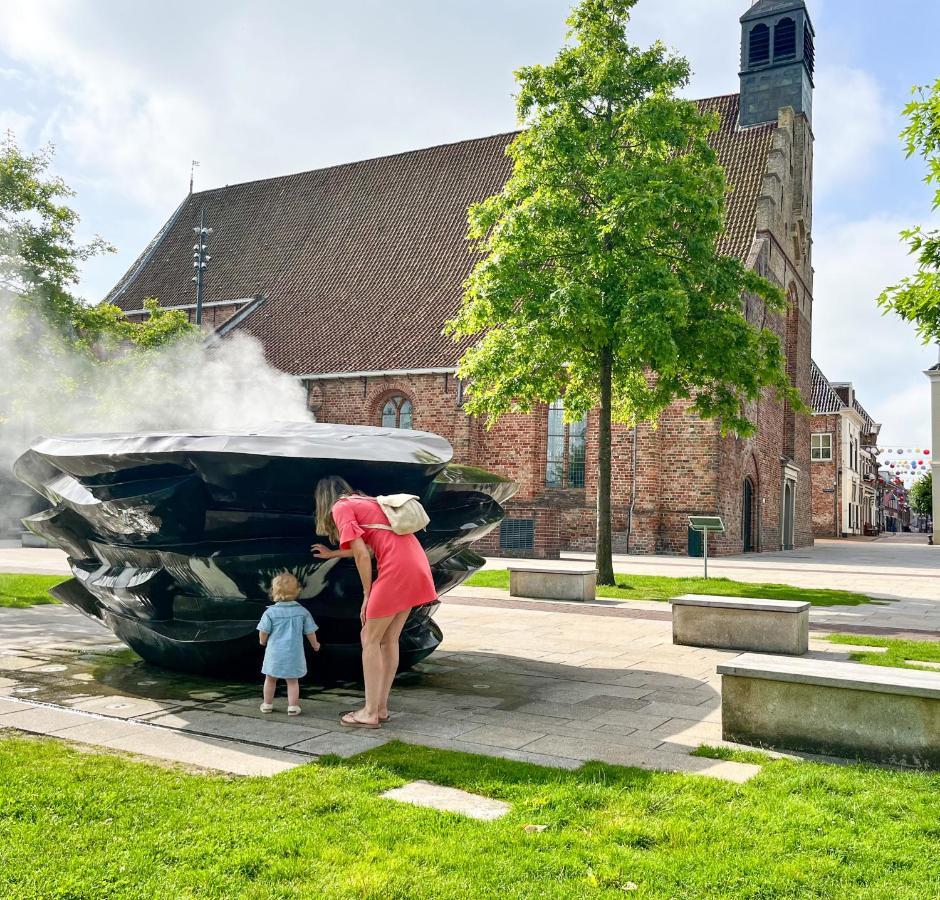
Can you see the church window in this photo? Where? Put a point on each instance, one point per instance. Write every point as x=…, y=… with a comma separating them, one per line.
x=759, y=53
x=397, y=413
x=785, y=40
x=564, y=464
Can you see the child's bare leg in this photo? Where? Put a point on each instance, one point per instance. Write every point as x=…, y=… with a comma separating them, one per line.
x=293, y=691
x=270, y=684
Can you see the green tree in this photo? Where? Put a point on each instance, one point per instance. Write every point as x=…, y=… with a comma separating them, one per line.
x=917, y=299
x=40, y=259
x=922, y=495
x=601, y=279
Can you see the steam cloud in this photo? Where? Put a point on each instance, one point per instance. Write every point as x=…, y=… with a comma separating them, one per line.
x=47, y=386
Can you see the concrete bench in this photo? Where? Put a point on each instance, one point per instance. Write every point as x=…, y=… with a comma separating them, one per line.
x=553, y=584
x=741, y=623
x=838, y=708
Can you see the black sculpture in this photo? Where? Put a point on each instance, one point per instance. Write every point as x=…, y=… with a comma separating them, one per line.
x=173, y=539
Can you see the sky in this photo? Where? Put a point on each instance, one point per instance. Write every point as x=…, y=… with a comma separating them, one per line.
x=131, y=93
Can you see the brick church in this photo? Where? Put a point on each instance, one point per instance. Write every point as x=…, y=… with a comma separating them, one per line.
x=348, y=274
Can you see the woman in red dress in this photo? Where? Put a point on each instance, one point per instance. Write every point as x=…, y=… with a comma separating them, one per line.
x=404, y=581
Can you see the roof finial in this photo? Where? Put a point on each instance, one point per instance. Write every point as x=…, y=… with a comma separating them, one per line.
x=192, y=172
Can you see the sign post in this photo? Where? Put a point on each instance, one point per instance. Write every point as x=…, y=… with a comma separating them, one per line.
x=705, y=525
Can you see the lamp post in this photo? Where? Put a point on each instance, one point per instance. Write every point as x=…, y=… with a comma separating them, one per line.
x=200, y=260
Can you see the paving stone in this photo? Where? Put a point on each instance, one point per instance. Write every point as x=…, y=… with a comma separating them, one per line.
x=497, y=736
x=13, y=706
x=666, y=761
x=42, y=719
x=205, y=752
x=343, y=744
x=98, y=731
x=448, y=799
x=269, y=731
x=13, y=663
x=120, y=706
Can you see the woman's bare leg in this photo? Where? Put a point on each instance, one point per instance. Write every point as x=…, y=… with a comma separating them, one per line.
x=389, y=647
x=373, y=667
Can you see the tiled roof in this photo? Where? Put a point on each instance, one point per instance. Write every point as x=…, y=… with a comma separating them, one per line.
x=771, y=7
x=362, y=264
x=825, y=398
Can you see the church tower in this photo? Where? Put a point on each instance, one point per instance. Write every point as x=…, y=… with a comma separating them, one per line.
x=777, y=61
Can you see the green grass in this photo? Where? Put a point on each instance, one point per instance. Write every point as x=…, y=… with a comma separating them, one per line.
x=81, y=825
x=20, y=591
x=655, y=587
x=897, y=654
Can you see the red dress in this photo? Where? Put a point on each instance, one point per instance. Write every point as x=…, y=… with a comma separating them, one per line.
x=404, y=578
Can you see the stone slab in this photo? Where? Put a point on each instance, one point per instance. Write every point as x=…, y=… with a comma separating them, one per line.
x=268, y=731
x=340, y=743
x=741, y=628
x=448, y=799
x=856, y=676
x=717, y=601
x=553, y=584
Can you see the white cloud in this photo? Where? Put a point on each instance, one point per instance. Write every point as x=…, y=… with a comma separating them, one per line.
x=852, y=122
x=852, y=341
x=19, y=124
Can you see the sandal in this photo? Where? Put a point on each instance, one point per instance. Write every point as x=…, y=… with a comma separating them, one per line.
x=381, y=718
x=267, y=707
x=293, y=710
x=351, y=722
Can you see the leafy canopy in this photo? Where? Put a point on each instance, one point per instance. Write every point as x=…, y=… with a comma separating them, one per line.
x=605, y=244
x=917, y=299
x=922, y=495
x=40, y=259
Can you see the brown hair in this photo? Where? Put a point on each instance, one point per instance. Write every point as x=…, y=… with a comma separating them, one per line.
x=285, y=587
x=328, y=491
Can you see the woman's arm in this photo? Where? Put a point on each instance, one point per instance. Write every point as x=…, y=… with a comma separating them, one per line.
x=321, y=551
x=360, y=553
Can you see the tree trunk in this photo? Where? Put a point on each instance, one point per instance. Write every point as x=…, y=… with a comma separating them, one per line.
x=605, y=560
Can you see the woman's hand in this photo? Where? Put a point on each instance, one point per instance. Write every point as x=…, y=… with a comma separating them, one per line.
x=321, y=551
x=362, y=611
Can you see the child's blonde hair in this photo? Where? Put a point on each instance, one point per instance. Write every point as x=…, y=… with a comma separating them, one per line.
x=285, y=587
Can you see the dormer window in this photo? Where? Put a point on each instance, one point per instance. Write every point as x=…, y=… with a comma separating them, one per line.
x=759, y=48
x=785, y=40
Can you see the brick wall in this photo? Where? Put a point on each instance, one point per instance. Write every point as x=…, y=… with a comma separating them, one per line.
x=826, y=503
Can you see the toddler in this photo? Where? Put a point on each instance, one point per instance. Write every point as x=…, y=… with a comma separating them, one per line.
x=281, y=632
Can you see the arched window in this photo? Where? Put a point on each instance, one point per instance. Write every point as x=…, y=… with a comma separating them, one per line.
x=397, y=412
x=785, y=40
x=759, y=53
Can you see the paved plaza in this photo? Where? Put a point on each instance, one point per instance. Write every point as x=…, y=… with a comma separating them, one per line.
x=544, y=682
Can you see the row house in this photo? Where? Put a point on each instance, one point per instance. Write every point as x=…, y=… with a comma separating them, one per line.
x=844, y=461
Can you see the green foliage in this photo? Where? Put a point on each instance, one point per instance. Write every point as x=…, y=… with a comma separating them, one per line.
x=917, y=299
x=897, y=653
x=20, y=591
x=921, y=495
x=40, y=260
x=80, y=825
x=657, y=587
x=603, y=247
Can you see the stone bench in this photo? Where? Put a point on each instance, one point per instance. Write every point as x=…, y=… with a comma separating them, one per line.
x=553, y=584
x=741, y=623
x=837, y=708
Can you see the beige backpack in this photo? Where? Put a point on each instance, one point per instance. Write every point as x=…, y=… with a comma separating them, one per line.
x=405, y=514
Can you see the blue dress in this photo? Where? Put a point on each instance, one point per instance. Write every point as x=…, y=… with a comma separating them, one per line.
x=286, y=623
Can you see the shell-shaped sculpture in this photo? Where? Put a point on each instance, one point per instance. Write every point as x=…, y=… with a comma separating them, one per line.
x=173, y=539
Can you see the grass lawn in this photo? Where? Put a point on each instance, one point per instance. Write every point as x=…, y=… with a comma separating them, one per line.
x=20, y=591
x=655, y=587
x=897, y=654
x=81, y=825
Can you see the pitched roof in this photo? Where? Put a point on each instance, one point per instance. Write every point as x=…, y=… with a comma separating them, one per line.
x=771, y=8
x=825, y=398
x=362, y=264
